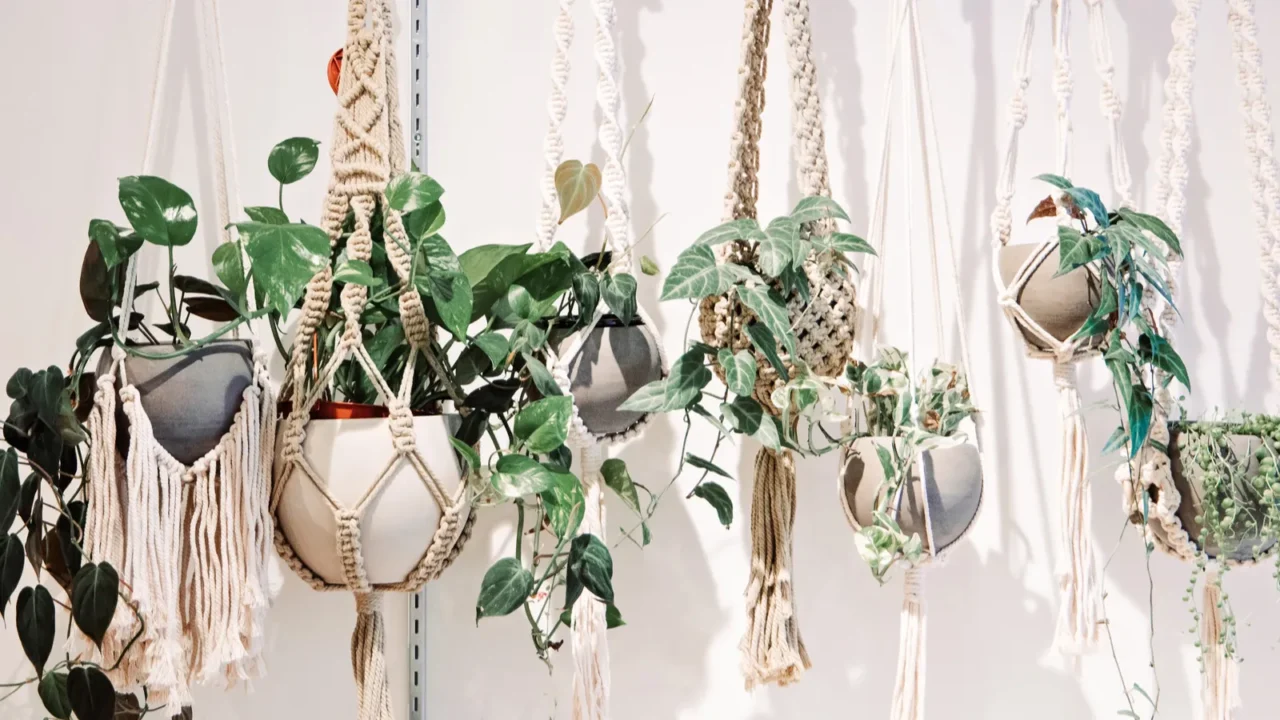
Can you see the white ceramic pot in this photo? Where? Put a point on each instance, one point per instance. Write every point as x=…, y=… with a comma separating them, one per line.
x=397, y=517
x=953, y=496
x=1059, y=304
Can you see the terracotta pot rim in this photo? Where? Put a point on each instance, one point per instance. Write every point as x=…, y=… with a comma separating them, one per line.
x=339, y=410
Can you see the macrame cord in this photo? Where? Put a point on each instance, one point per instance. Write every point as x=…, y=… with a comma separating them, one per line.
x=367, y=151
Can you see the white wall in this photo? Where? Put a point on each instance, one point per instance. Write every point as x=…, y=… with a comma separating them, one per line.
x=74, y=122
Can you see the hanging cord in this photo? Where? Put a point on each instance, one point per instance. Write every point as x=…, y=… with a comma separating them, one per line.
x=553, y=144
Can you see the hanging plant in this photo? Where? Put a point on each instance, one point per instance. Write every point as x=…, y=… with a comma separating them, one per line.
x=901, y=512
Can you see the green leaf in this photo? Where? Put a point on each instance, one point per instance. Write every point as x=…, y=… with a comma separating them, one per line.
x=707, y=465
x=1153, y=349
x=543, y=425
x=564, y=505
x=93, y=599
x=1087, y=199
x=744, y=414
x=577, y=186
x=516, y=476
x=778, y=249
x=816, y=208
x=53, y=693
x=648, y=266
x=478, y=262
x=504, y=589
x=528, y=337
x=542, y=378
x=423, y=222
x=10, y=489
x=115, y=248
x=451, y=295
x=467, y=453
x=1074, y=249
x=620, y=295
x=36, y=625
x=356, y=272
x=12, y=563
x=739, y=370
x=586, y=291
x=228, y=264
x=613, y=617
x=411, y=191
x=267, y=215
x=285, y=258
x=494, y=346
x=648, y=399
x=591, y=564
x=1116, y=441
x=697, y=275
x=710, y=418
x=1140, y=410
x=846, y=243
x=763, y=341
x=518, y=304
x=1155, y=226
x=91, y=693
x=159, y=211
x=618, y=479
x=769, y=434
x=293, y=159
x=772, y=311
x=716, y=496
x=1056, y=181
x=741, y=229
x=689, y=374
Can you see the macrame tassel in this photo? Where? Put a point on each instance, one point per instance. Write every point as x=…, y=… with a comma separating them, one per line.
x=368, y=659
x=590, y=644
x=772, y=650
x=908, y=690
x=1220, y=694
x=1081, y=609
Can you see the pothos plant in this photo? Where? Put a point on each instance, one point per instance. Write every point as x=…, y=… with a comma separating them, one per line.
x=919, y=418
x=767, y=269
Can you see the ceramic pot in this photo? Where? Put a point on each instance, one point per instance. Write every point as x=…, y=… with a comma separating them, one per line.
x=953, y=496
x=1188, y=480
x=1060, y=305
x=397, y=522
x=615, y=361
x=191, y=400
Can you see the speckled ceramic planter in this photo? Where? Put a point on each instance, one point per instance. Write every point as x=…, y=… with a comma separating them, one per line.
x=615, y=361
x=953, y=496
x=1060, y=305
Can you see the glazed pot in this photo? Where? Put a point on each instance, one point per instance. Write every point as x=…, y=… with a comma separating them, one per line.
x=953, y=496
x=191, y=400
x=615, y=361
x=1188, y=480
x=397, y=522
x=1060, y=305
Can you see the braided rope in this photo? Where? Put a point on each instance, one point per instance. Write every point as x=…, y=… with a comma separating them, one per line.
x=553, y=144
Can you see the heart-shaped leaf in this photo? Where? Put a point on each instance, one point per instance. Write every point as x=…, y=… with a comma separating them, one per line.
x=591, y=564
x=92, y=695
x=53, y=693
x=93, y=599
x=542, y=378
x=744, y=414
x=411, y=191
x=495, y=347
x=211, y=308
x=772, y=312
x=95, y=285
x=1055, y=180
x=12, y=562
x=716, y=496
x=846, y=243
x=293, y=159
x=159, y=211
x=228, y=264
x=504, y=589
x=618, y=479
x=285, y=258
x=116, y=247
x=424, y=222
x=739, y=371
x=577, y=186
x=586, y=291
x=36, y=624
x=697, y=275
x=778, y=249
x=564, y=505
x=1155, y=226
x=517, y=476
x=467, y=453
x=356, y=272
x=544, y=425
x=620, y=295
x=267, y=214
x=817, y=207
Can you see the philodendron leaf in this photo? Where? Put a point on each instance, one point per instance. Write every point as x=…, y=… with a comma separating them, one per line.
x=739, y=370
x=771, y=311
x=159, y=211
x=10, y=490
x=846, y=243
x=1074, y=249
x=93, y=599
x=543, y=425
x=591, y=564
x=741, y=229
x=267, y=214
x=577, y=186
x=816, y=208
x=12, y=563
x=467, y=453
x=1155, y=226
x=356, y=272
x=495, y=347
x=778, y=249
x=586, y=291
x=1055, y=180
x=1116, y=441
x=648, y=266
x=618, y=479
x=228, y=264
x=1153, y=348
x=744, y=414
x=564, y=505
x=504, y=589
x=769, y=434
x=516, y=476
x=542, y=378
x=620, y=295
x=293, y=159
x=413, y=190
x=1087, y=199
x=706, y=465
x=36, y=625
x=115, y=247
x=613, y=617
x=697, y=275
x=1140, y=409
x=53, y=693
x=648, y=399
x=763, y=341
x=92, y=695
x=285, y=258
x=716, y=496
x=424, y=222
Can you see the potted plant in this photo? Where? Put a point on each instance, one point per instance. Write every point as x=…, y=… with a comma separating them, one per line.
x=910, y=487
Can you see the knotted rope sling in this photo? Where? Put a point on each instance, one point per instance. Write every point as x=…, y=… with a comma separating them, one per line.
x=367, y=151
x=1081, y=609
x=908, y=67
x=1149, y=481
x=772, y=650
x=590, y=645
x=191, y=542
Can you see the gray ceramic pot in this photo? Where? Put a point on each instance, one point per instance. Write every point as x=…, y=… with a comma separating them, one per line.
x=1060, y=305
x=191, y=400
x=1188, y=480
x=953, y=497
x=615, y=361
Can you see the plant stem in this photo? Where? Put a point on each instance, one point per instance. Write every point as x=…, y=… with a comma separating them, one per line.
x=195, y=346
x=173, y=304
x=280, y=198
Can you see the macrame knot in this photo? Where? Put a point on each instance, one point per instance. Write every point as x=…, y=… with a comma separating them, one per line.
x=294, y=434
x=416, y=327
x=352, y=551
x=401, y=425
x=368, y=603
x=1018, y=110
x=913, y=583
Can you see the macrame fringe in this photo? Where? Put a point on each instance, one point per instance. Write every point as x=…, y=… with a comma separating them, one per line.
x=908, y=689
x=590, y=644
x=1081, y=610
x=369, y=659
x=772, y=650
x=192, y=546
x=1220, y=693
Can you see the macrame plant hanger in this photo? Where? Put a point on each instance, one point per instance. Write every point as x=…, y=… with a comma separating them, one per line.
x=1081, y=598
x=192, y=543
x=590, y=645
x=907, y=62
x=1152, y=470
x=772, y=649
x=367, y=151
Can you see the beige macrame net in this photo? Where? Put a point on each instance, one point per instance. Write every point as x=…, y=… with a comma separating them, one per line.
x=367, y=151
